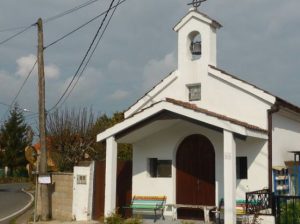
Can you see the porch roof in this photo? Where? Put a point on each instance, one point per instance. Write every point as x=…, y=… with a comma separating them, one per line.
x=188, y=111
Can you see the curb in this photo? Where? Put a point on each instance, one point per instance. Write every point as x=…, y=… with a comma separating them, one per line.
x=21, y=210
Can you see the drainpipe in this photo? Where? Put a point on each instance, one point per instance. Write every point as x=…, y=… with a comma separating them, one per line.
x=274, y=109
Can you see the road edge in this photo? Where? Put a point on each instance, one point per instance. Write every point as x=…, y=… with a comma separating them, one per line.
x=21, y=210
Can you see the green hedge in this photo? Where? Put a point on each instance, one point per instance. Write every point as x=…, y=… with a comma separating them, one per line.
x=1, y=173
x=5, y=180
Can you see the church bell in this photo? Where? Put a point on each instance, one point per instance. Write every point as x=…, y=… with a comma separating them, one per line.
x=196, y=48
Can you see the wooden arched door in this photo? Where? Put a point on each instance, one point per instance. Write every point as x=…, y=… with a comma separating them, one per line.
x=195, y=175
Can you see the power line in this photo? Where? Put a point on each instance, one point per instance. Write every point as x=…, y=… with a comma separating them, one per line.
x=85, y=56
x=24, y=28
x=69, y=11
x=24, y=83
x=83, y=25
x=90, y=55
x=17, y=34
x=5, y=104
x=20, y=89
x=12, y=29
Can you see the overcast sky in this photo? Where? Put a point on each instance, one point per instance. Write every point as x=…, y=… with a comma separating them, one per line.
x=259, y=42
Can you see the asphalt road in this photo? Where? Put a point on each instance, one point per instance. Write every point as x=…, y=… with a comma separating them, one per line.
x=12, y=199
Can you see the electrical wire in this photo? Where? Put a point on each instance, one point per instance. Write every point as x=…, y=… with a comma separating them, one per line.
x=69, y=11
x=24, y=28
x=31, y=116
x=84, y=58
x=24, y=82
x=90, y=55
x=20, y=89
x=83, y=25
x=5, y=104
x=17, y=34
x=12, y=29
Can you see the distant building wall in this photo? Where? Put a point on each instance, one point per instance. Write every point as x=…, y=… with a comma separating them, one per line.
x=286, y=137
x=62, y=196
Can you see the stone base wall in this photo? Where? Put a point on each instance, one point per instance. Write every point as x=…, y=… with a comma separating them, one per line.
x=62, y=196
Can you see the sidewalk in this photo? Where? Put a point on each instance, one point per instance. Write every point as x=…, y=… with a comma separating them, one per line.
x=25, y=217
x=64, y=222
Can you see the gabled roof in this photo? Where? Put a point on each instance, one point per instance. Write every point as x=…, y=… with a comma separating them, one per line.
x=240, y=83
x=193, y=13
x=257, y=91
x=219, y=116
x=149, y=95
x=189, y=111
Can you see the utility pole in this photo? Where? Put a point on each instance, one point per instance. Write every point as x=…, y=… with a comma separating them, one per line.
x=43, y=167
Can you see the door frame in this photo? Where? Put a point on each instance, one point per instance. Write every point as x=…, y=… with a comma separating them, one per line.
x=174, y=169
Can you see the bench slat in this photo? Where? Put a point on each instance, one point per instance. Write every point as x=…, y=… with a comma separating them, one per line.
x=148, y=204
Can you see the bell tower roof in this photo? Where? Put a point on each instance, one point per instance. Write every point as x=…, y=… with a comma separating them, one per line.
x=195, y=14
x=197, y=45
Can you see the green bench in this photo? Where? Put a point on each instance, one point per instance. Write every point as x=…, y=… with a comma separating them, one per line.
x=146, y=204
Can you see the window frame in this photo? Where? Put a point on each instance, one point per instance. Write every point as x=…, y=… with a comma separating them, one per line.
x=242, y=167
x=81, y=179
x=154, y=165
x=193, y=97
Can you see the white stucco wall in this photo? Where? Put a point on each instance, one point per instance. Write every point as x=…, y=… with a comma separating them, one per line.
x=83, y=193
x=163, y=145
x=256, y=151
x=220, y=93
x=286, y=137
x=229, y=100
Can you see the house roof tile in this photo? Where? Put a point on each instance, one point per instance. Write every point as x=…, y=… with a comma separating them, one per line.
x=195, y=108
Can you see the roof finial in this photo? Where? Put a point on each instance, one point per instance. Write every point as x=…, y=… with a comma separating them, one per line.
x=196, y=3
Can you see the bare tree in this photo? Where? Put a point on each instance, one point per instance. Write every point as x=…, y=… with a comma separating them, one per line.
x=71, y=136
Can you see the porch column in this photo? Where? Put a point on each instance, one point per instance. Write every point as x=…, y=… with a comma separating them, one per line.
x=229, y=178
x=110, y=176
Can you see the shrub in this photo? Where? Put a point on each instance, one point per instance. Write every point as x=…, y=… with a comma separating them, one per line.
x=134, y=220
x=1, y=172
x=113, y=219
x=290, y=213
x=20, y=172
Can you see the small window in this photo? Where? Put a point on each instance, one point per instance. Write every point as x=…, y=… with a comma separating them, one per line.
x=241, y=168
x=81, y=179
x=194, y=91
x=160, y=168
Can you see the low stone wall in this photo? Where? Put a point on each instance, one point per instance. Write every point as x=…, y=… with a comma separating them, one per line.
x=62, y=196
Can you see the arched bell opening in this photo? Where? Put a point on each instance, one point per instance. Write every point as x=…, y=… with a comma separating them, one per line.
x=195, y=45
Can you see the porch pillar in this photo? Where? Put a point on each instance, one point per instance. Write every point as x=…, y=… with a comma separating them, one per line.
x=110, y=176
x=229, y=178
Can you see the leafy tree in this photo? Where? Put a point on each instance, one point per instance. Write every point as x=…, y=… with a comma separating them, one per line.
x=14, y=139
x=104, y=122
x=1, y=157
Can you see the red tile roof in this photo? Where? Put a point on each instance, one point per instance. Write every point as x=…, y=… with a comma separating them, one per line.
x=213, y=114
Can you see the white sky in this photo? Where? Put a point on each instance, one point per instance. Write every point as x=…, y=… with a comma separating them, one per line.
x=259, y=42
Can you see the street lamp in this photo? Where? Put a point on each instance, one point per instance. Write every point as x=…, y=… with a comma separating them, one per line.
x=9, y=107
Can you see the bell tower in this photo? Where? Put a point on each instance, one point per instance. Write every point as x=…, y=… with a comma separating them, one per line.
x=197, y=40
